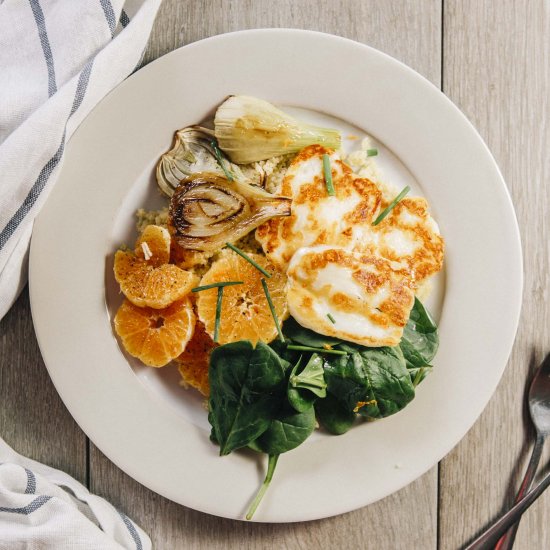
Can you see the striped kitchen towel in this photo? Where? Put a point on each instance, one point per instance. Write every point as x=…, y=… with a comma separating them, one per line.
x=44, y=508
x=58, y=59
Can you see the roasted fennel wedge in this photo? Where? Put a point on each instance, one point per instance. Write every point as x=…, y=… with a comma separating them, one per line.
x=249, y=129
x=194, y=151
x=208, y=210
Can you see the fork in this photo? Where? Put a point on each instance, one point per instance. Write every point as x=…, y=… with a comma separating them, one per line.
x=539, y=409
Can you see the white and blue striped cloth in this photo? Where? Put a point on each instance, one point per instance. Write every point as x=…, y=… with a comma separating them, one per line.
x=58, y=59
x=42, y=508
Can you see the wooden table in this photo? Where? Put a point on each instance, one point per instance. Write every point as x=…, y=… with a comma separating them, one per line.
x=492, y=59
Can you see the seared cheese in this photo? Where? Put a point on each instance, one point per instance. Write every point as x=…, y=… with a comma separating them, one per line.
x=316, y=217
x=369, y=301
x=408, y=237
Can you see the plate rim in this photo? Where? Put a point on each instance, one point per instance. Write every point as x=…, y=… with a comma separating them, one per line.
x=480, y=142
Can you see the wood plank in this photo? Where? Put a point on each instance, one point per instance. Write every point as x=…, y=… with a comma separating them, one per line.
x=406, y=519
x=33, y=419
x=410, y=31
x=497, y=70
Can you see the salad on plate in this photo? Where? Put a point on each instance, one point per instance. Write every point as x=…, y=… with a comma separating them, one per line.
x=284, y=278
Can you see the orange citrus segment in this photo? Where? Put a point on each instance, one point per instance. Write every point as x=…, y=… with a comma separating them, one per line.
x=245, y=313
x=155, y=336
x=153, y=245
x=148, y=286
x=193, y=363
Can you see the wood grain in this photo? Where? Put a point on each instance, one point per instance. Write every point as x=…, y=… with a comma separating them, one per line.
x=410, y=31
x=33, y=419
x=496, y=67
x=497, y=70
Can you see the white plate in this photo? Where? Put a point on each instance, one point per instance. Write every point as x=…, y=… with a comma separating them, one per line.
x=139, y=417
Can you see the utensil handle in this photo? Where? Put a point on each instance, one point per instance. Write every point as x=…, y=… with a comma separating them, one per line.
x=507, y=541
x=491, y=536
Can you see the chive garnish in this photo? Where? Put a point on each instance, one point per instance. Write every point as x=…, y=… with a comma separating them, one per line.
x=272, y=308
x=216, y=285
x=391, y=206
x=318, y=350
x=327, y=171
x=372, y=152
x=331, y=318
x=248, y=259
x=219, y=158
x=218, y=313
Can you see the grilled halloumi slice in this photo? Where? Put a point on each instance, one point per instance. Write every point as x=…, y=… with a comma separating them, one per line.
x=317, y=218
x=408, y=237
x=369, y=301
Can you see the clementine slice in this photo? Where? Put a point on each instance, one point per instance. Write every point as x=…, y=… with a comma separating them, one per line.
x=148, y=286
x=153, y=245
x=155, y=336
x=193, y=363
x=245, y=312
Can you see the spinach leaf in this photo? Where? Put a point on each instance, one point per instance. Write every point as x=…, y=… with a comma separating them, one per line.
x=246, y=384
x=304, y=387
x=333, y=416
x=371, y=381
x=280, y=348
x=418, y=374
x=295, y=332
x=286, y=432
x=419, y=342
x=299, y=400
x=271, y=464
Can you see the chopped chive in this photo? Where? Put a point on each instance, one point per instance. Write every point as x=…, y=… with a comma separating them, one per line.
x=318, y=350
x=327, y=171
x=248, y=259
x=216, y=285
x=372, y=152
x=391, y=206
x=331, y=318
x=272, y=308
x=218, y=313
x=220, y=160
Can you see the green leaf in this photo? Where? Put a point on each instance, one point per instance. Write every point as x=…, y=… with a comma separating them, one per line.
x=297, y=333
x=311, y=377
x=306, y=386
x=272, y=463
x=246, y=385
x=333, y=416
x=299, y=400
x=287, y=432
x=418, y=374
x=374, y=382
x=420, y=341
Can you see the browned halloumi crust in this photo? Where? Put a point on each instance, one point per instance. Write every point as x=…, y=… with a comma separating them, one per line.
x=372, y=273
x=283, y=232
x=281, y=237
x=427, y=259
